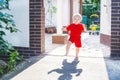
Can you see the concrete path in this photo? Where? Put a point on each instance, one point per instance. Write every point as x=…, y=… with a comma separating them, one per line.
x=60, y=68
x=56, y=66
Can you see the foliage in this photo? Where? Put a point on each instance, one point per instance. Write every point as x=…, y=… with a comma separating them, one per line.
x=94, y=26
x=4, y=4
x=5, y=47
x=3, y=66
x=51, y=10
x=91, y=9
x=14, y=57
x=87, y=10
x=7, y=24
x=94, y=17
x=1, y=71
x=96, y=3
x=6, y=21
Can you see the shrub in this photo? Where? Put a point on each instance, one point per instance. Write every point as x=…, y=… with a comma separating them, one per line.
x=7, y=24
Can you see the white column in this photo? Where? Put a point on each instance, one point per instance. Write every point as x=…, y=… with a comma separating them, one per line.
x=59, y=16
x=105, y=21
x=66, y=13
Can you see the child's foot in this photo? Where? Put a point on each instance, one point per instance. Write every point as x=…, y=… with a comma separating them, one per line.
x=66, y=54
x=76, y=58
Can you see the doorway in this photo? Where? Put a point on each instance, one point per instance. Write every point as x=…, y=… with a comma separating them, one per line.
x=90, y=18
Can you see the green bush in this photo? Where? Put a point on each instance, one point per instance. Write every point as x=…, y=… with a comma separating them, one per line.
x=1, y=71
x=94, y=25
x=7, y=24
x=5, y=47
x=89, y=8
x=14, y=57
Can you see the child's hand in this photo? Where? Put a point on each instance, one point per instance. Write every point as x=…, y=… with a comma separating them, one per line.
x=64, y=29
x=84, y=28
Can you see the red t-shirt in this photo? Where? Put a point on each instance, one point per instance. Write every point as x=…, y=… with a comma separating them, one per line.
x=75, y=29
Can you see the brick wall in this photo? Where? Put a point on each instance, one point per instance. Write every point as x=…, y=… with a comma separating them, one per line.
x=37, y=29
x=115, y=29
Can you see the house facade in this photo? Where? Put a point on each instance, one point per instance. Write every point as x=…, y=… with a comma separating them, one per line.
x=30, y=20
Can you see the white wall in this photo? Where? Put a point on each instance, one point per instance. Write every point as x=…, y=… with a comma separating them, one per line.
x=20, y=10
x=105, y=17
x=66, y=12
x=48, y=15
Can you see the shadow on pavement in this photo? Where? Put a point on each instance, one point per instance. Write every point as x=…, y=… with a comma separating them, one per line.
x=67, y=70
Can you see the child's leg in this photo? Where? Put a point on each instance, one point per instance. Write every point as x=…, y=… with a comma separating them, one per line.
x=77, y=51
x=68, y=47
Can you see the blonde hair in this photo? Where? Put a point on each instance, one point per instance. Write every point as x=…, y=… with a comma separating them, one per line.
x=77, y=14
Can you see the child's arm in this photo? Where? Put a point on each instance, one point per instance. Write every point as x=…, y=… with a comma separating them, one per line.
x=64, y=29
x=84, y=28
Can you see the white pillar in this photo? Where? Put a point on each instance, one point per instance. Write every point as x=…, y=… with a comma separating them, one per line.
x=59, y=16
x=66, y=13
x=105, y=17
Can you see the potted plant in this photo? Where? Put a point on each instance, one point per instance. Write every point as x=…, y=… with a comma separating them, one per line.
x=51, y=10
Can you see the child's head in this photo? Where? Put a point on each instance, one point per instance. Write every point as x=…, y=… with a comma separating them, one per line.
x=77, y=18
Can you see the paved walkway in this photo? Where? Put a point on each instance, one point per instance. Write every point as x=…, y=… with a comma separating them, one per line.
x=56, y=66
